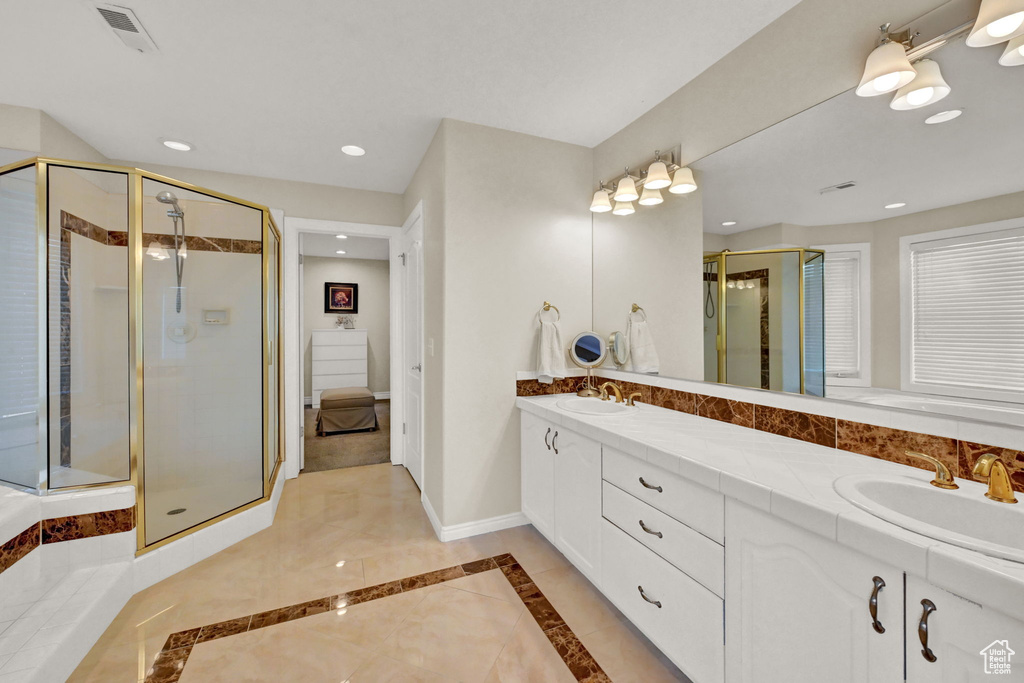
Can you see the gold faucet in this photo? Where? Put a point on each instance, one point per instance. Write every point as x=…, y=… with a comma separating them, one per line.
x=604, y=392
x=631, y=400
x=991, y=469
x=943, y=477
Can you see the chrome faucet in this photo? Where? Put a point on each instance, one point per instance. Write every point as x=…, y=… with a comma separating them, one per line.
x=991, y=469
x=615, y=387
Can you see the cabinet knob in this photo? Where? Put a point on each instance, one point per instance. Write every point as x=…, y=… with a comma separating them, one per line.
x=922, y=629
x=873, y=604
x=656, y=603
x=650, y=486
x=546, y=439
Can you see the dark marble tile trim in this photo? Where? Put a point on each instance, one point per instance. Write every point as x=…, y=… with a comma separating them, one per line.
x=118, y=238
x=88, y=525
x=531, y=387
x=171, y=660
x=18, y=547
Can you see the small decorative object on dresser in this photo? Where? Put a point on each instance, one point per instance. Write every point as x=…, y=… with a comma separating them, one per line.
x=346, y=322
x=341, y=297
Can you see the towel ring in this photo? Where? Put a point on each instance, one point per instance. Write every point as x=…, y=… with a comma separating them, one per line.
x=638, y=309
x=548, y=306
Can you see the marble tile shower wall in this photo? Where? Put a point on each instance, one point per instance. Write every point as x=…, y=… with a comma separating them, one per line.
x=957, y=444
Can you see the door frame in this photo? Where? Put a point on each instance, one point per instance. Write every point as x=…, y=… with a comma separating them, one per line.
x=294, y=402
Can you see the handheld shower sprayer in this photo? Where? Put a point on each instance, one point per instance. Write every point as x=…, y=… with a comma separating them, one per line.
x=176, y=212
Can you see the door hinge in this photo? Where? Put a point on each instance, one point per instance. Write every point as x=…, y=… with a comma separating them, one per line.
x=302, y=430
x=402, y=256
x=403, y=428
x=300, y=259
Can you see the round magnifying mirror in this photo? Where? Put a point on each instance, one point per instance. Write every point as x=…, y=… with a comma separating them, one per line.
x=587, y=351
x=618, y=347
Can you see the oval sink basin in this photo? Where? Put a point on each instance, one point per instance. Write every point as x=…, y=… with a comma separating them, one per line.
x=964, y=517
x=595, y=406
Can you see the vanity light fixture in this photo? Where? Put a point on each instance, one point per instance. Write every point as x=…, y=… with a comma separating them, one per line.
x=682, y=181
x=998, y=21
x=928, y=88
x=339, y=252
x=651, y=196
x=897, y=205
x=157, y=252
x=601, y=202
x=657, y=175
x=887, y=67
x=1014, y=53
x=353, y=150
x=177, y=145
x=728, y=223
x=623, y=209
x=625, y=191
x=944, y=116
x=342, y=237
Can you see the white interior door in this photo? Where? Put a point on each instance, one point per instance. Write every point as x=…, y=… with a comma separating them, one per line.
x=302, y=388
x=412, y=295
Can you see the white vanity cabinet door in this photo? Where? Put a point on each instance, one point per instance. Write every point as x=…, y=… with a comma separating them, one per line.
x=797, y=607
x=958, y=632
x=538, y=474
x=578, y=501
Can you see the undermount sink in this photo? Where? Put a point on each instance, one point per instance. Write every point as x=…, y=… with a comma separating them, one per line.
x=964, y=517
x=595, y=406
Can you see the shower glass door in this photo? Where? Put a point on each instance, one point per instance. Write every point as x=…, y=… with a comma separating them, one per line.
x=203, y=357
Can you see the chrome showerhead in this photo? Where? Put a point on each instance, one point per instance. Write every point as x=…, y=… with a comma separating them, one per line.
x=166, y=197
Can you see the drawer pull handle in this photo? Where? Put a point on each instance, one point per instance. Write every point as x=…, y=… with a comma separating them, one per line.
x=652, y=533
x=546, y=439
x=656, y=603
x=553, y=446
x=649, y=486
x=873, y=605
x=922, y=629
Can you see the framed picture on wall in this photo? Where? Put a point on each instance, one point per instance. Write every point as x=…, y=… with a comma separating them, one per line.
x=341, y=297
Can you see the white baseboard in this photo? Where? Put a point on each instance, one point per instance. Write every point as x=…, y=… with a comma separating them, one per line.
x=382, y=395
x=307, y=400
x=467, y=529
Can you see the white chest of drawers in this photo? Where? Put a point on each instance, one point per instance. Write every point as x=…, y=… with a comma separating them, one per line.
x=339, y=360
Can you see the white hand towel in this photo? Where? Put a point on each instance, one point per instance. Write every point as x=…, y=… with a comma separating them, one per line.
x=551, y=355
x=643, y=357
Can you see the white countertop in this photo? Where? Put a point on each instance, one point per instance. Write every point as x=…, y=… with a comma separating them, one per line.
x=793, y=480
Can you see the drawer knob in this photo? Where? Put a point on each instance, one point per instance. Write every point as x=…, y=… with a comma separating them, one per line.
x=656, y=603
x=650, y=486
x=652, y=533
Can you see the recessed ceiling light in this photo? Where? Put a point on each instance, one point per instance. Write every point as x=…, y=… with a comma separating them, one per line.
x=342, y=237
x=177, y=145
x=353, y=150
x=897, y=205
x=944, y=116
x=728, y=223
x=339, y=252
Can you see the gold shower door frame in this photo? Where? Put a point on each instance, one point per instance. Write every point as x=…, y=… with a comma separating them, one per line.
x=272, y=351
x=719, y=259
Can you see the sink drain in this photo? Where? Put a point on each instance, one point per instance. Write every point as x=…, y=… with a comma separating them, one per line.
x=176, y=511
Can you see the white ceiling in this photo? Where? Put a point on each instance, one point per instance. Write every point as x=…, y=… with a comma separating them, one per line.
x=274, y=89
x=314, y=244
x=775, y=176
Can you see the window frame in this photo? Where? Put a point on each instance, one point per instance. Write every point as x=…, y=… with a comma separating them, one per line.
x=907, y=382
x=863, y=249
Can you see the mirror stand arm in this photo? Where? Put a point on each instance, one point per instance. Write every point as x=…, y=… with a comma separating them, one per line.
x=588, y=389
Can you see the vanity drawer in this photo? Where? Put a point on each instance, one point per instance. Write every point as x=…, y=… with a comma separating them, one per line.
x=698, y=507
x=688, y=626
x=693, y=553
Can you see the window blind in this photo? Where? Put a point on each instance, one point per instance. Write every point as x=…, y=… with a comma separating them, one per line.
x=968, y=312
x=842, y=311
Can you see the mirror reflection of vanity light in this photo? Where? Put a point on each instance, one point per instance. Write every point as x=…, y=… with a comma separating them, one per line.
x=215, y=317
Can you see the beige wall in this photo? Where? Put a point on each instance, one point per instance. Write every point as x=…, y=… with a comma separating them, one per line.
x=39, y=134
x=884, y=237
x=372, y=276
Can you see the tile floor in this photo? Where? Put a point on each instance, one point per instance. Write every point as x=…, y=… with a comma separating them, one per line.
x=340, y=531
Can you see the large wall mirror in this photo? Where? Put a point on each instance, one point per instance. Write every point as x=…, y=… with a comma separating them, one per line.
x=852, y=251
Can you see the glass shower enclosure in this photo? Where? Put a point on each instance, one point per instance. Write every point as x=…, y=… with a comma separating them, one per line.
x=764, y=319
x=141, y=341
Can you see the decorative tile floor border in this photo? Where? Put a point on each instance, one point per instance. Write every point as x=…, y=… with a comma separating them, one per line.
x=170, y=662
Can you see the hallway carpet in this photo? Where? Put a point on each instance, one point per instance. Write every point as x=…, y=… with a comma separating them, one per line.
x=335, y=451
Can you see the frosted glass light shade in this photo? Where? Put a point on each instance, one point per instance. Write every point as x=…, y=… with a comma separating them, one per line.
x=625, y=191
x=929, y=87
x=998, y=21
x=1014, y=53
x=623, y=208
x=650, y=196
x=601, y=203
x=657, y=176
x=682, y=181
x=887, y=69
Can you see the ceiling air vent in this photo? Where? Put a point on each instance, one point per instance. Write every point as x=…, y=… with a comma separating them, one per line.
x=126, y=26
x=841, y=186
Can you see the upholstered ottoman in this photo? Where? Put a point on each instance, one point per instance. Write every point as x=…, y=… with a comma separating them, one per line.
x=346, y=410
